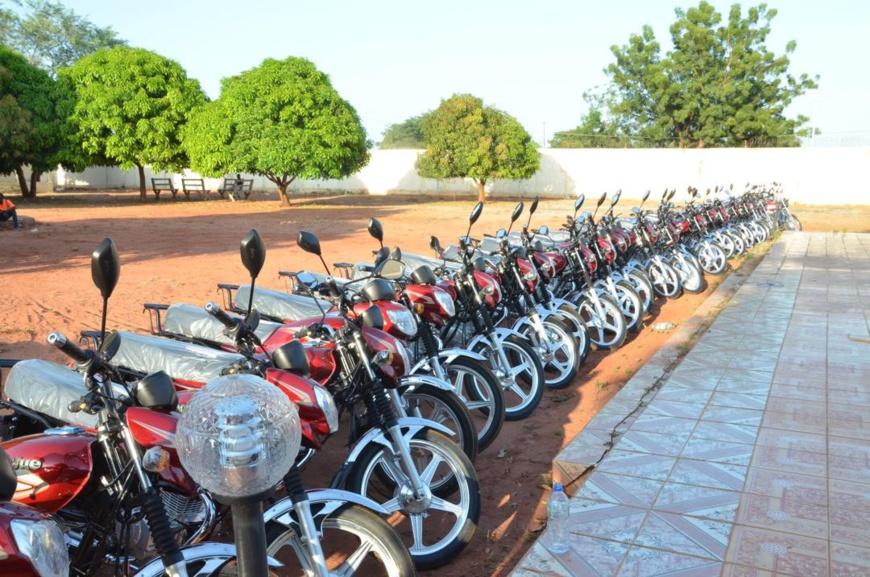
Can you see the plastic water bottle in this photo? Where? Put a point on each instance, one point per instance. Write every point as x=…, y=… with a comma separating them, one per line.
x=557, y=520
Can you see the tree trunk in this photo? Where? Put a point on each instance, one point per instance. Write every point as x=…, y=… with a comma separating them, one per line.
x=34, y=178
x=282, y=193
x=22, y=182
x=481, y=190
x=142, y=191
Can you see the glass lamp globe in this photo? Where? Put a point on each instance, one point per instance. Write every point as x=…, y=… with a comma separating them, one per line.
x=238, y=436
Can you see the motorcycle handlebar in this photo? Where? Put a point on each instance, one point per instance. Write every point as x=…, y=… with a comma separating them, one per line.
x=58, y=340
x=214, y=310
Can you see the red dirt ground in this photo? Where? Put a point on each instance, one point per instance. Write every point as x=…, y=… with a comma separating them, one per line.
x=176, y=251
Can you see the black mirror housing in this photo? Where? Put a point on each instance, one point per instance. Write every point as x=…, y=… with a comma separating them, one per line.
x=253, y=251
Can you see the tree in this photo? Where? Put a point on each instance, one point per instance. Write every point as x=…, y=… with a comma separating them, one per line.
x=29, y=122
x=52, y=36
x=465, y=139
x=407, y=134
x=596, y=130
x=282, y=120
x=718, y=86
x=128, y=106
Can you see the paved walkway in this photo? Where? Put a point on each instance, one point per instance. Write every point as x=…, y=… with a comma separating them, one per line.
x=748, y=456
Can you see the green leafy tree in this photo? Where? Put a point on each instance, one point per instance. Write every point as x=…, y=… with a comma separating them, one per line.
x=51, y=35
x=719, y=86
x=407, y=134
x=128, y=106
x=282, y=120
x=29, y=122
x=465, y=139
x=596, y=130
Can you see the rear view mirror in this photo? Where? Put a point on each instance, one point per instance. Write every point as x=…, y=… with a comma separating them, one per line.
x=376, y=230
x=645, y=196
x=500, y=233
x=308, y=242
x=435, y=244
x=544, y=230
x=615, y=198
x=253, y=252
x=579, y=202
x=601, y=199
x=382, y=255
x=518, y=210
x=475, y=213
x=534, y=206
x=392, y=270
x=106, y=267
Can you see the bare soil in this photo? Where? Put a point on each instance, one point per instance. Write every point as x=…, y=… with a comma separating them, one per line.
x=177, y=251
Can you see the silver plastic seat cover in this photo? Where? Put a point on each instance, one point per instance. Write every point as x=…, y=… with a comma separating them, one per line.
x=281, y=305
x=49, y=388
x=195, y=322
x=148, y=354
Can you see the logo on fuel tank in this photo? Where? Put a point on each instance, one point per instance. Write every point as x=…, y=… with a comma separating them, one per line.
x=23, y=464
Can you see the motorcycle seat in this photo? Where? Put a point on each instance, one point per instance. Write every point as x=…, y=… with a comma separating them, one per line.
x=147, y=354
x=281, y=305
x=195, y=322
x=49, y=388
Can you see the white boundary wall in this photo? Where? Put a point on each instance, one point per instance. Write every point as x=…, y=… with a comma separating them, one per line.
x=809, y=175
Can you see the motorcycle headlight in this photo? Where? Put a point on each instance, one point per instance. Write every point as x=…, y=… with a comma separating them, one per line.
x=487, y=290
x=43, y=544
x=327, y=403
x=546, y=266
x=446, y=303
x=531, y=276
x=404, y=321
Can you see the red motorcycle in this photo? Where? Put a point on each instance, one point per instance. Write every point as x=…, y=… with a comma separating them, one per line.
x=31, y=542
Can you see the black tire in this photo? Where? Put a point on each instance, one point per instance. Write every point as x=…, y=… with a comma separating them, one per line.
x=479, y=389
x=445, y=408
x=349, y=530
x=523, y=388
x=793, y=223
x=451, y=520
x=643, y=287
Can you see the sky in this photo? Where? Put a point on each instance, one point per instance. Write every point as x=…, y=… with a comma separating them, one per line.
x=532, y=59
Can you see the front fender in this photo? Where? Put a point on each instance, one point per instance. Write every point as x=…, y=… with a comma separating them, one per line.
x=410, y=426
x=448, y=355
x=501, y=333
x=412, y=381
x=323, y=503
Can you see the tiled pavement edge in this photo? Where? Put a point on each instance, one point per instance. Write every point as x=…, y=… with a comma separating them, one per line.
x=753, y=456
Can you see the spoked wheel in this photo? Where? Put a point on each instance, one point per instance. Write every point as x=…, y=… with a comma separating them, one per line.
x=793, y=223
x=644, y=288
x=665, y=279
x=522, y=380
x=712, y=258
x=355, y=541
x=607, y=329
x=630, y=304
x=202, y=560
x=727, y=243
x=690, y=276
x=446, y=408
x=434, y=528
x=558, y=352
x=477, y=387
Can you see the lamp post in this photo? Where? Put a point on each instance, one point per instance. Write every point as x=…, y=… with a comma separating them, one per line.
x=237, y=438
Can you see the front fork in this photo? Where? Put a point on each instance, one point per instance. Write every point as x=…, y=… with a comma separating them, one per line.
x=309, y=535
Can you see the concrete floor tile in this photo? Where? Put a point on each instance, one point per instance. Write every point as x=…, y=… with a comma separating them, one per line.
x=778, y=553
x=791, y=440
x=726, y=432
x=718, y=451
x=634, y=464
x=620, y=489
x=708, y=474
x=686, y=535
x=786, y=485
x=698, y=501
x=646, y=562
x=849, y=560
x=794, y=461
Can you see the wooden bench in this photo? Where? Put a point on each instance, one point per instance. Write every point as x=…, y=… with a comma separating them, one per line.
x=158, y=185
x=237, y=188
x=193, y=185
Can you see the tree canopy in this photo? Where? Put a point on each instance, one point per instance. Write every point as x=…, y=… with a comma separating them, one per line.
x=52, y=36
x=465, y=139
x=128, y=105
x=719, y=85
x=282, y=120
x=29, y=122
x=407, y=134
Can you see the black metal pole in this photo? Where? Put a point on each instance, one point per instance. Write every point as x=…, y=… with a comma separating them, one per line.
x=249, y=531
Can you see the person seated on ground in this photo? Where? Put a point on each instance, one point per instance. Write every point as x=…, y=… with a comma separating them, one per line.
x=7, y=211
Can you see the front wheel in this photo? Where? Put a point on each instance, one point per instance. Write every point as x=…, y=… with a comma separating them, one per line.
x=522, y=380
x=435, y=529
x=355, y=541
x=477, y=387
x=606, y=327
x=203, y=560
x=712, y=258
x=665, y=279
x=559, y=352
x=793, y=223
x=445, y=408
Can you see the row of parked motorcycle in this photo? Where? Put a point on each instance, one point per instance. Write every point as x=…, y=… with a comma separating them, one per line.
x=421, y=358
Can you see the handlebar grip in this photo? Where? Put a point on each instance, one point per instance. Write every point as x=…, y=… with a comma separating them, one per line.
x=215, y=310
x=77, y=406
x=73, y=351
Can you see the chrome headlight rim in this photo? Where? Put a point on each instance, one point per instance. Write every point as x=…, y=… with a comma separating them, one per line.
x=446, y=303
x=43, y=544
x=327, y=403
x=530, y=276
x=403, y=320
